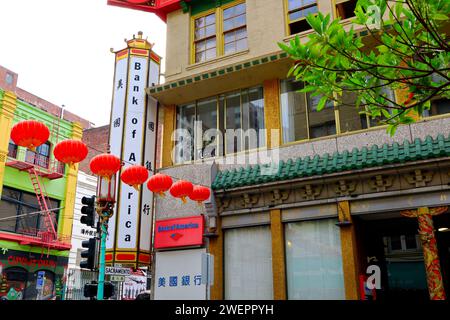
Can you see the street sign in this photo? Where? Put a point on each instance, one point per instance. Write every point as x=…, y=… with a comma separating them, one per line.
x=115, y=271
x=117, y=278
x=178, y=275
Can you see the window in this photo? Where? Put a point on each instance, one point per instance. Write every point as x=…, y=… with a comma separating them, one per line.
x=18, y=203
x=219, y=125
x=297, y=11
x=350, y=118
x=222, y=30
x=205, y=41
x=299, y=115
x=345, y=8
x=248, y=268
x=12, y=149
x=234, y=29
x=314, y=261
x=438, y=106
x=41, y=157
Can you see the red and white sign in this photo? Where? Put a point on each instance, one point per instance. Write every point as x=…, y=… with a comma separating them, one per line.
x=179, y=232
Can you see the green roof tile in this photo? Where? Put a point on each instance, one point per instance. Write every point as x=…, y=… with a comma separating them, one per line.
x=338, y=162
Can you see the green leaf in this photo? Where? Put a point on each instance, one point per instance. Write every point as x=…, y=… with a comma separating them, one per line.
x=440, y=16
x=322, y=103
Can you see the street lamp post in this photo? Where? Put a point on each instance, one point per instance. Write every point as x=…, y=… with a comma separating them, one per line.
x=106, y=193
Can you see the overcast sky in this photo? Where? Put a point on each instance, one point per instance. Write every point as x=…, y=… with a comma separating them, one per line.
x=61, y=49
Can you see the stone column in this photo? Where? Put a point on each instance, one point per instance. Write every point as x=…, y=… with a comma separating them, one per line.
x=216, y=249
x=349, y=251
x=65, y=226
x=272, y=112
x=278, y=256
x=169, y=127
x=8, y=105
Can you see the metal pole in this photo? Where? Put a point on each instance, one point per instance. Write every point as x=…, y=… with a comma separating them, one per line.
x=101, y=269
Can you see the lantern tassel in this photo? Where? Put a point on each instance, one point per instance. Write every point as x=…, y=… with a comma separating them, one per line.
x=72, y=165
x=136, y=187
x=184, y=200
x=32, y=148
x=162, y=194
x=108, y=178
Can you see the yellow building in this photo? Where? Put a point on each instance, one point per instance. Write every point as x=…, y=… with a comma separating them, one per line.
x=37, y=198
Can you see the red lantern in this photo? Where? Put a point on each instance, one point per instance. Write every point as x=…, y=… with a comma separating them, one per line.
x=200, y=194
x=134, y=176
x=70, y=151
x=30, y=134
x=159, y=183
x=105, y=165
x=181, y=189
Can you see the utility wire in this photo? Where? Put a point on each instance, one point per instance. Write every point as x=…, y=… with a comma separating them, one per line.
x=30, y=214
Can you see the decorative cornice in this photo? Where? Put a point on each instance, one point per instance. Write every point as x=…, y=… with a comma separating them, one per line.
x=357, y=159
x=216, y=73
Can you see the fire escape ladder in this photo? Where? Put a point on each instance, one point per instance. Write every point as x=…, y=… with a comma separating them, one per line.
x=42, y=201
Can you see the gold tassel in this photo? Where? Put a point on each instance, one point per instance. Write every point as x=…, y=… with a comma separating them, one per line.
x=136, y=187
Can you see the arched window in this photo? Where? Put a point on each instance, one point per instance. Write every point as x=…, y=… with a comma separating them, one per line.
x=16, y=280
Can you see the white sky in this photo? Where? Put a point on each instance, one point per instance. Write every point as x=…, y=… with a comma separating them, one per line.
x=61, y=49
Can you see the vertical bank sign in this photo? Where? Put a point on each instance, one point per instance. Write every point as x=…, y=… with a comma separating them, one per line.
x=133, y=139
x=180, y=232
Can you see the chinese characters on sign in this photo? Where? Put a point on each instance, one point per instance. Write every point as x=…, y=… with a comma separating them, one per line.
x=185, y=280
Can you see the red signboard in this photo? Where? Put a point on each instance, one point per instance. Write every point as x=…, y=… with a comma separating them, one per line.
x=180, y=232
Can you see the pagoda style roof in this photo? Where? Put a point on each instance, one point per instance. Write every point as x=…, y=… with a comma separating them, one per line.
x=357, y=159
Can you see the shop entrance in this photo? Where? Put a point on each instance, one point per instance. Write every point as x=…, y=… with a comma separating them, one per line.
x=392, y=242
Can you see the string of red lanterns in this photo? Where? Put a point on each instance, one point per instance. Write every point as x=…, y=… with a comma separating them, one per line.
x=32, y=133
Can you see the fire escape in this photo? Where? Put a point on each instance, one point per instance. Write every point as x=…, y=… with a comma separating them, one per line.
x=38, y=168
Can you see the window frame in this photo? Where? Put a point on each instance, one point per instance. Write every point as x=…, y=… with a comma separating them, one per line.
x=221, y=141
x=220, y=38
x=222, y=31
x=309, y=110
x=20, y=203
x=194, y=42
x=288, y=22
x=335, y=11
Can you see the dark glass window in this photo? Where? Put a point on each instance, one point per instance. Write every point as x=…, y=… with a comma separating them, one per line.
x=345, y=8
x=438, y=106
x=299, y=116
x=12, y=149
x=298, y=10
x=236, y=118
x=41, y=157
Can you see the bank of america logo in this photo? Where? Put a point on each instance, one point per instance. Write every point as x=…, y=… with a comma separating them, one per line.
x=176, y=236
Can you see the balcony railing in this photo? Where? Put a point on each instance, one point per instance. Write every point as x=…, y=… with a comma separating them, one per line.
x=41, y=162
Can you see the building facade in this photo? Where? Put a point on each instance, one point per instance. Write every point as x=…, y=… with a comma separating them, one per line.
x=34, y=242
x=304, y=203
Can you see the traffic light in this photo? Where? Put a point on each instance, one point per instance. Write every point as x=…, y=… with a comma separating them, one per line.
x=88, y=211
x=108, y=290
x=90, y=254
x=90, y=290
